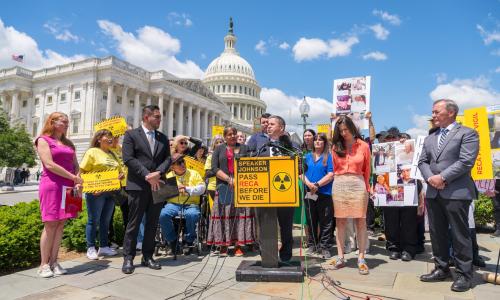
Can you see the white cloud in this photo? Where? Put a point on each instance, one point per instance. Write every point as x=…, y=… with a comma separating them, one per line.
x=380, y=32
x=467, y=92
x=488, y=36
x=441, y=77
x=421, y=123
x=179, y=19
x=15, y=42
x=60, y=32
x=152, y=49
x=393, y=19
x=376, y=55
x=309, y=49
x=287, y=106
x=261, y=47
x=284, y=46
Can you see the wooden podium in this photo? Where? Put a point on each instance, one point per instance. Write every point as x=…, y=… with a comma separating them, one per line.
x=267, y=183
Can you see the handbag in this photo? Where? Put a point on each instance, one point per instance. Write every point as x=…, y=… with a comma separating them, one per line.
x=167, y=190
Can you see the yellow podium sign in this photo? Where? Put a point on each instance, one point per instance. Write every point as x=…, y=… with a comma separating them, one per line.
x=193, y=164
x=266, y=182
x=98, y=182
x=117, y=125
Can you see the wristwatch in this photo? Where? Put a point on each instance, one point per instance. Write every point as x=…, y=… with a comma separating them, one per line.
x=316, y=184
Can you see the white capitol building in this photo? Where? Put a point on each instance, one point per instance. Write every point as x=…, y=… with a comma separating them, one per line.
x=98, y=88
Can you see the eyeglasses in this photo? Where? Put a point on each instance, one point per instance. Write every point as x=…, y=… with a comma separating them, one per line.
x=183, y=143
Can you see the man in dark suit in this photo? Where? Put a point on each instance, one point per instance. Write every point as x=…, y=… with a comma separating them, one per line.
x=447, y=158
x=277, y=136
x=146, y=153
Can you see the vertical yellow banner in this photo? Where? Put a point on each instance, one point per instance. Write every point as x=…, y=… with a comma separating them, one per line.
x=477, y=118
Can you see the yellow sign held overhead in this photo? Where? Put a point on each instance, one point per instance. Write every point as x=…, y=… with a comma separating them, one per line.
x=266, y=182
x=193, y=164
x=477, y=119
x=117, y=125
x=98, y=182
x=217, y=130
x=324, y=128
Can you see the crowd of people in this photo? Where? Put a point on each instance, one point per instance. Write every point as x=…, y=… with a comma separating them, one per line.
x=336, y=179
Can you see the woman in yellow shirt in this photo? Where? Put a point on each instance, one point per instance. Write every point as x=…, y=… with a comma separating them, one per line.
x=99, y=205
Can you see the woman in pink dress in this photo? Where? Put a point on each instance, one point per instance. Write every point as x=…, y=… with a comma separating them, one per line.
x=60, y=167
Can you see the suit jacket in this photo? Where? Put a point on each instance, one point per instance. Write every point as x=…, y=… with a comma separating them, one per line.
x=453, y=161
x=219, y=159
x=140, y=161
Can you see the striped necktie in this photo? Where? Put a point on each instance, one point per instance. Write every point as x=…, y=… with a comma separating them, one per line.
x=444, y=132
x=151, y=140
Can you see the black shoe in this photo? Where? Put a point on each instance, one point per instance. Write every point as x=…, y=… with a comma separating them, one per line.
x=150, y=263
x=461, y=284
x=128, y=266
x=395, y=255
x=436, y=275
x=405, y=256
x=479, y=262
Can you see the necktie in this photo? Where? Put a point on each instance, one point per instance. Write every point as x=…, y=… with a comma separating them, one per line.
x=151, y=141
x=444, y=132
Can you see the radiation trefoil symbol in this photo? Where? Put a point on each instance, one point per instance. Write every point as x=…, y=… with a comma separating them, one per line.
x=282, y=181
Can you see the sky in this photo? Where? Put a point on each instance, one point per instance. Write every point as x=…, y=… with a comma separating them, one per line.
x=415, y=51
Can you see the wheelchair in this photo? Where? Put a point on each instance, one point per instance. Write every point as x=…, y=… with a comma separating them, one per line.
x=199, y=244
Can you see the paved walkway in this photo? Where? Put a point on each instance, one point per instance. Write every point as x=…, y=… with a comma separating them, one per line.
x=187, y=276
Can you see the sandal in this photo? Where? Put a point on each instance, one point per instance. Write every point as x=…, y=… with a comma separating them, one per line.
x=337, y=263
x=363, y=267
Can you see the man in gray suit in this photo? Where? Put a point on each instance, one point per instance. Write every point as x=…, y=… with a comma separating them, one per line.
x=446, y=161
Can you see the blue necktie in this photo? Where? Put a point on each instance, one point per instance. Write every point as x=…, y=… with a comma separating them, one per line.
x=444, y=132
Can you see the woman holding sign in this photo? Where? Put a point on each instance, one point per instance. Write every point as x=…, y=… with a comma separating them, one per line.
x=60, y=167
x=351, y=161
x=229, y=225
x=100, y=205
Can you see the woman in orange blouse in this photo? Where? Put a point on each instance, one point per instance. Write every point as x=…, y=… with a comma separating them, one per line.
x=351, y=167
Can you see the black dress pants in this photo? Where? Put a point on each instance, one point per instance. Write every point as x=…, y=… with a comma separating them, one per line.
x=285, y=222
x=450, y=217
x=140, y=203
x=319, y=216
x=401, y=229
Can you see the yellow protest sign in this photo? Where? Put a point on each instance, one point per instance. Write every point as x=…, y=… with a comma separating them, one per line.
x=217, y=130
x=117, y=125
x=477, y=118
x=324, y=128
x=193, y=164
x=266, y=182
x=97, y=182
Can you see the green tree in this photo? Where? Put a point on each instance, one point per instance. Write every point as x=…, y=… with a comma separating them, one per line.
x=16, y=146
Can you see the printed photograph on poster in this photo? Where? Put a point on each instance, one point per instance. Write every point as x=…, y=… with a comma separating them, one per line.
x=415, y=172
x=405, y=152
x=384, y=158
x=494, y=129
x=399, y=192
x=351, y=96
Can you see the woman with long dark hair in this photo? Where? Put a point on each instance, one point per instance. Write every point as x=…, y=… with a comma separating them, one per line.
x=351, y=161
x=319, y=207
x=308, y=140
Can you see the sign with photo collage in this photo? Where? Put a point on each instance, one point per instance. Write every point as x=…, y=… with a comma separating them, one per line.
x=351, y=96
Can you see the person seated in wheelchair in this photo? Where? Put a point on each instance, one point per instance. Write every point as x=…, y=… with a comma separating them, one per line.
x=187, y=205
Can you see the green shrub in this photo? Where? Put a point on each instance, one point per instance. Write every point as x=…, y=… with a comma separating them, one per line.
x=483, y=214
x=20, y=230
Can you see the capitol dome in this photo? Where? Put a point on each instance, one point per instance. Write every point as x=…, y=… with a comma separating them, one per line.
x=232, y=78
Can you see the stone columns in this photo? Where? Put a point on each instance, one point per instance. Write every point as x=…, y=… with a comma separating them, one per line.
x=14, y=109
x=123, y=108
x=170, y=118
x=148, y=101
x=3, y=99
x=29, y=119
x=180, y=118
x=109, y=100
x=160, y=105
x=197, y=121
x=204, y=123
x=232, y=110
x=190, y=120
x=137, y=109
x=213, y=119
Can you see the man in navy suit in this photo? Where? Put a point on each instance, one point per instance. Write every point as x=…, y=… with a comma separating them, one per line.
x=146, y=153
